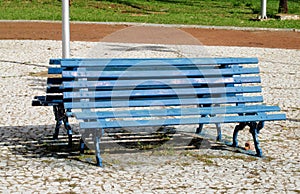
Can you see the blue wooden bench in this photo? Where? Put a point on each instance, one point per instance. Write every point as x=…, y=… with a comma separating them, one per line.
x=54, y=98
x=117, y=93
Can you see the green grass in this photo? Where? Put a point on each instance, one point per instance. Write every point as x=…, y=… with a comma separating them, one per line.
x=198, y=12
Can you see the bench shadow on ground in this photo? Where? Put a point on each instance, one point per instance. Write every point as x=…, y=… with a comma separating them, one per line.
x=37, y=142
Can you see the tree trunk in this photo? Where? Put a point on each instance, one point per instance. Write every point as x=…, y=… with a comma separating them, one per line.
x=283, y=6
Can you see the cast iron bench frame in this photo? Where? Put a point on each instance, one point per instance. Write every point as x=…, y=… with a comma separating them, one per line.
x=54, y=98
x=109, y=83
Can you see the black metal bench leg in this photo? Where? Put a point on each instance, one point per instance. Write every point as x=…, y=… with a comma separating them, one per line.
x=97, y=148
x=254, y=131
x=69, y=130
x=82, y=146
x=56, y=132
x=219, y=132
x=58, y=119
x=237, y=128
x=199, y=129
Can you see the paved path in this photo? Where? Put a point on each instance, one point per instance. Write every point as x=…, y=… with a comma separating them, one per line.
x=30, y=163
x=162, y=34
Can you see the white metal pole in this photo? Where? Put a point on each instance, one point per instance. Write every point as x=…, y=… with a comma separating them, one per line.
x=65, y=29
x=263, y=9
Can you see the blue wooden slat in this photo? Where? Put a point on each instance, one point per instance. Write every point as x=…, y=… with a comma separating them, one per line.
x=154, y=61
x=159, y=82
x=55, y=61
x=158, y=73
x=54, y=81
x=54, y=70
x=104, y=123
x=162, y=102
x=54, y=89
x=54, y=98
x=160, y=92
x=45, y=103
x=146, y=68
x=174, y=112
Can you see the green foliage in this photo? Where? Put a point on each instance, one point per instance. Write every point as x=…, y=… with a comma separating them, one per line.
x=198, y=12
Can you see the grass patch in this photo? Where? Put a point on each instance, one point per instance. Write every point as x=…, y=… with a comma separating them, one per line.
x=61, y=180
x=268, y=159
x=39, y=74
x=206, y=159
x=209, y=159
x=73, y=185
x=198, y=12
x=135, y=163
x=87, y=157
x=164, y=150
x=47, y=161
x=44, y=74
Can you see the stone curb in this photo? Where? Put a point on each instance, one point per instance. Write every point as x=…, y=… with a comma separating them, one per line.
x=168, y=25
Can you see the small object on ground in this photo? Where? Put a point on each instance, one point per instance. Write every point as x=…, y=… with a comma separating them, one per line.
x=249, y=146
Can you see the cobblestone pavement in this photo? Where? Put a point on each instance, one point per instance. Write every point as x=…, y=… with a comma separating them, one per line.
x=31, y=162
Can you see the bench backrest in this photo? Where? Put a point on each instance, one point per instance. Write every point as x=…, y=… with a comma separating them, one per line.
x=153, y=82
